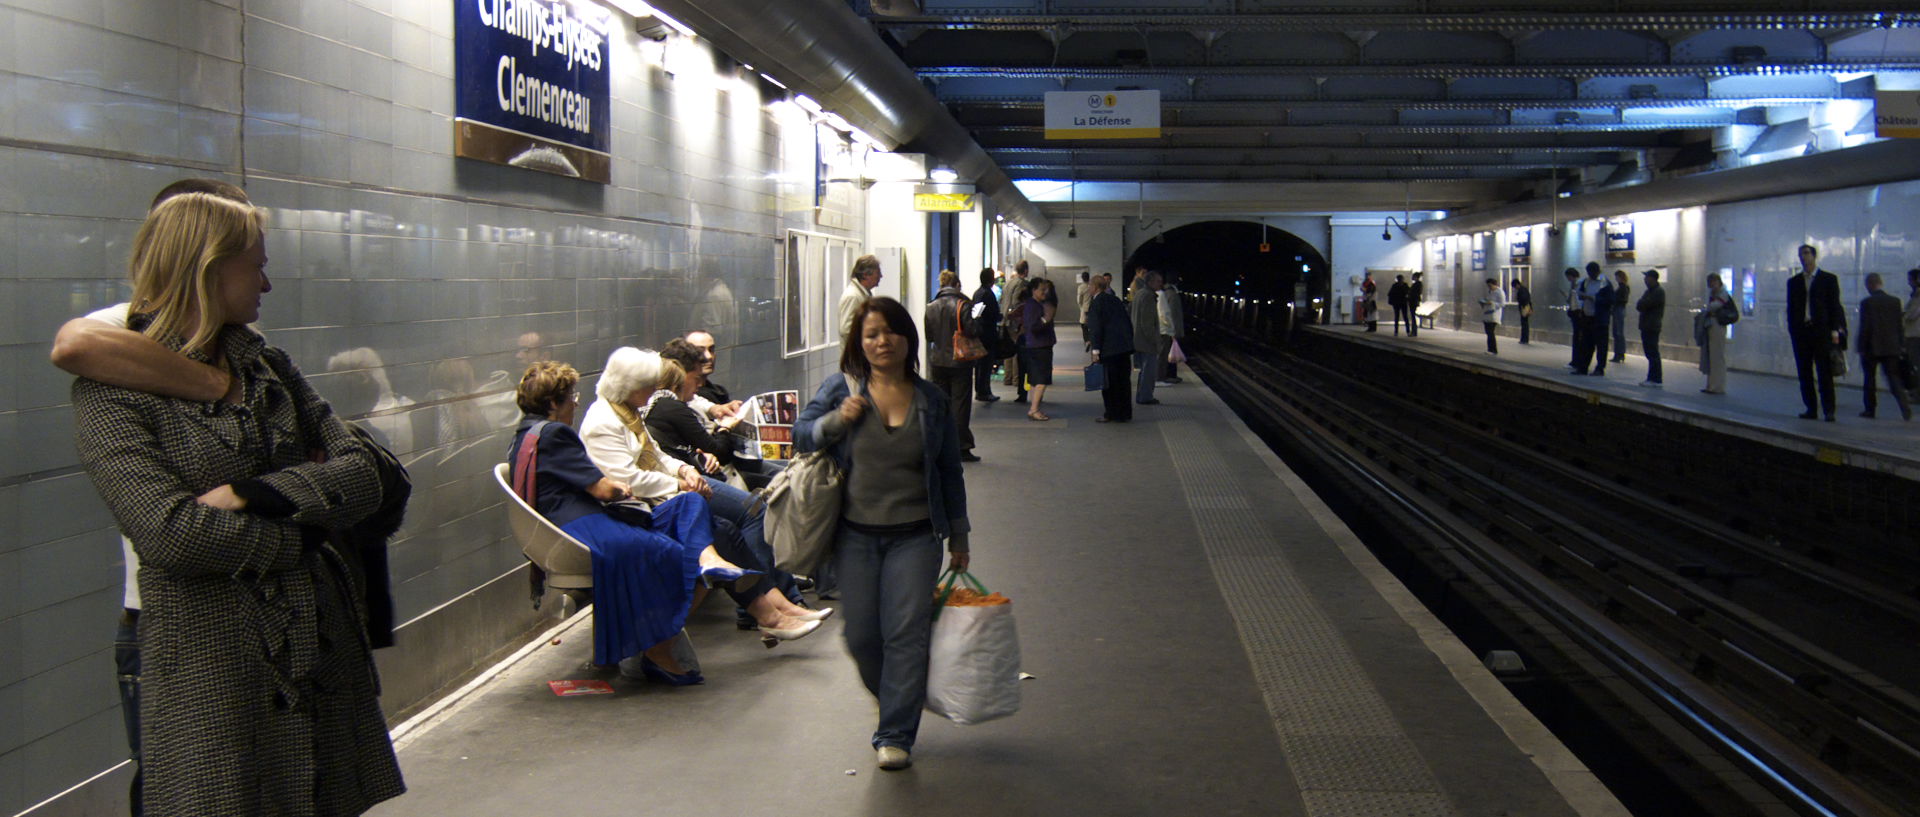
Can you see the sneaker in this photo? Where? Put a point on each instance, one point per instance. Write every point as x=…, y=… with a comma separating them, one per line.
x=893, y=758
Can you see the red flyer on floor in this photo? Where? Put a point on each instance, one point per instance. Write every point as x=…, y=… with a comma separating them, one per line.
x=567, y=689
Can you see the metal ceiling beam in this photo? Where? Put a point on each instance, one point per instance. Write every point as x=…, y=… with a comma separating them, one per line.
x=1487, y=21
x=1418, y=70
x=1603, y=127
x=1294, y=172
x=1140, y=154
x=965, y=105
x=821, y=48
x=1895, y=160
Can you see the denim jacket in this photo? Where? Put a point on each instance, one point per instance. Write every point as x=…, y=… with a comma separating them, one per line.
x=946, y=489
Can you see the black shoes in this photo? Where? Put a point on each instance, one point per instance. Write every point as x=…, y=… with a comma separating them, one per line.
x=969, y=456
x=1809, y=415
x=991, y=398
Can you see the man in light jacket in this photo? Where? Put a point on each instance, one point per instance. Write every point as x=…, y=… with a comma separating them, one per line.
x=1173, y=326
x=1145, y=312
x=1492, y=305
x=860, y=284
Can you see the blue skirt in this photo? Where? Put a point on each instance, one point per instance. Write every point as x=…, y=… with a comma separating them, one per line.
x=643, y=577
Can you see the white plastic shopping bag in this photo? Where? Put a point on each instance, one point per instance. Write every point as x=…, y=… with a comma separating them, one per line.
x=973, y=674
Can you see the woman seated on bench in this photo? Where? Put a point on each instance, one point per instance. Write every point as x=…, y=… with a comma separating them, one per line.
x=619, y=440
x=647, y=576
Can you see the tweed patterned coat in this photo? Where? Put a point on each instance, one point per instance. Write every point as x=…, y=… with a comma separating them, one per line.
x=259, y=694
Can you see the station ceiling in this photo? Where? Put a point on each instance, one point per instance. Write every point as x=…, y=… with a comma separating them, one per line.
x=1374, y=97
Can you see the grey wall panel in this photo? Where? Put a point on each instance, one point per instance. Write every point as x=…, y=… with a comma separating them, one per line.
x=409, y=286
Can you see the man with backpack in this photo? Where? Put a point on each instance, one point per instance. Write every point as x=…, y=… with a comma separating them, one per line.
x=952, y=354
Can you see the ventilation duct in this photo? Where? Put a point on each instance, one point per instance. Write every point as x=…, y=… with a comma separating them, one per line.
x=1894, y=160
x=822, y=49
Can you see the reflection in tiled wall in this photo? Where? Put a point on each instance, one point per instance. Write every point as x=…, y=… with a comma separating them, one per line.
x=1857, y=230
x=410, y=287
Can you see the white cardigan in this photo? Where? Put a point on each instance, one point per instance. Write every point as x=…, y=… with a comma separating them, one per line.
x=616, y=452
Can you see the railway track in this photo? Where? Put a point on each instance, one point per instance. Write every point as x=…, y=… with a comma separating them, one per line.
x=1729, y=633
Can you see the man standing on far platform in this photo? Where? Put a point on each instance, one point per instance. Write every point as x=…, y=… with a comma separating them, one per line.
x=1522, y=298
x=1817, y=325
x=1652, y=307
x=1880, y=345
x=1575, y=325
x=860, y=283
x=1416, y=294
x=1397, y=298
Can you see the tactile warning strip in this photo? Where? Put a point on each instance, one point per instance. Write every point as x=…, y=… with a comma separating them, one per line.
x=1348, y=754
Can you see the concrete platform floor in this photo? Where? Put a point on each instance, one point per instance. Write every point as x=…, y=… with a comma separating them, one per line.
x=1207, y=639
x=1763, y=407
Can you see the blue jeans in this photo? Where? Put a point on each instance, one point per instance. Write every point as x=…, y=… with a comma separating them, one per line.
x=736, y=506
x=126, y=657
x=886, y=602
x=1149, y=365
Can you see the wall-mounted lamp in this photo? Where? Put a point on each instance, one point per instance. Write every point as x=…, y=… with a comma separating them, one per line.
x=942, y=174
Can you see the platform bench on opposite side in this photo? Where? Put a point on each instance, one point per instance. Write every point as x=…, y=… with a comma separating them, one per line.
x=1424, y=312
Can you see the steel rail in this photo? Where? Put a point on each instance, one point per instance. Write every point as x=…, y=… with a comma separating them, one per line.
x=1678, y=613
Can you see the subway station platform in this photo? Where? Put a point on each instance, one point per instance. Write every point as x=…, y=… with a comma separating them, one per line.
x=1756, y=406
x=1206, y=638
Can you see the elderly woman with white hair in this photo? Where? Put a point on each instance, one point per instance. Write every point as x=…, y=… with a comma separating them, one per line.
x=616, y=438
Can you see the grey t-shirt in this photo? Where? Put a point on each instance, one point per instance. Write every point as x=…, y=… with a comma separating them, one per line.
x=888, y=483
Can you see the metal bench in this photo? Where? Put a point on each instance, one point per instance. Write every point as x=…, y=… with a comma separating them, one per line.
x=568, y=563
x=1423, y=314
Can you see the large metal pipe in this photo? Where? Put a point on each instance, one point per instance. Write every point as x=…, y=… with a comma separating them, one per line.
x=1895, y=160
x=824, y=50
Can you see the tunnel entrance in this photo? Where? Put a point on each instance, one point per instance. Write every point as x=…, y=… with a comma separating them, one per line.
x=1225, y=258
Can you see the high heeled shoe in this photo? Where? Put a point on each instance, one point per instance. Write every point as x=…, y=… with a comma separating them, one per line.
x=655, y=672
x=771, y=637
x=717, y=576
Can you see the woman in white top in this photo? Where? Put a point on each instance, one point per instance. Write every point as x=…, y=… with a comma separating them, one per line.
x=1713, y=359
x=617, y=442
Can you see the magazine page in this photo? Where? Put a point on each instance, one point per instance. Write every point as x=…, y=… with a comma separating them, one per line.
x=767, y=424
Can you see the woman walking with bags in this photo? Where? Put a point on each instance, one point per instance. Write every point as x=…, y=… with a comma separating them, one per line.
x=892, y=435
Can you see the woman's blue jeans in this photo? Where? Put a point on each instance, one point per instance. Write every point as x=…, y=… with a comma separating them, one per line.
x=886, y=602
x=736, y=506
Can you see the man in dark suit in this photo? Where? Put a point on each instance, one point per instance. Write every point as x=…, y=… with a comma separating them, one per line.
x=1416, y=295
x=1110, y=330
x=986, y=326
x=1881, y=342
x=1523, y=298
x=1817, y=324
x=1397, y=298
x=1652, y=307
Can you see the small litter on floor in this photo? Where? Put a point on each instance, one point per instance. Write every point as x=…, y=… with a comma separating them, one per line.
x=568, y=689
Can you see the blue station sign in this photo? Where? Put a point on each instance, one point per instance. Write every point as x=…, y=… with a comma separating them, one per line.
x=533, y=85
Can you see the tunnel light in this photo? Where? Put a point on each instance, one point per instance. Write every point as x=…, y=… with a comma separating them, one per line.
x=943, y=174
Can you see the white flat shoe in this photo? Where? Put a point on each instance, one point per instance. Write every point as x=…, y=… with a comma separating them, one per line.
x=818, y=614
x=893, y=758
x=772, y=637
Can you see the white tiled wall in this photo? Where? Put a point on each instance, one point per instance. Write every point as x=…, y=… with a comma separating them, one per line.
x=403, y=279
